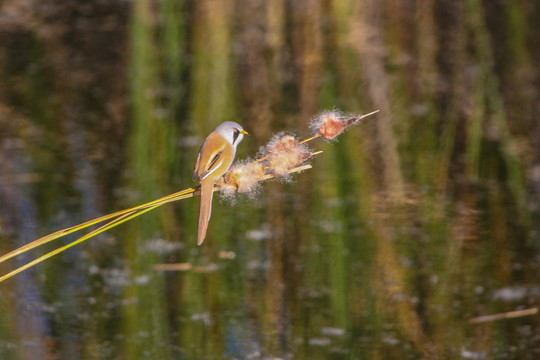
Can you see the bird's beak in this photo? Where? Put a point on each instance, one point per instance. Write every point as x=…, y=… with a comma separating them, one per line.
x=244, y=132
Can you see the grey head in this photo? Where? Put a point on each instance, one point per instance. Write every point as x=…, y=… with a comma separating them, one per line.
x=232, y=132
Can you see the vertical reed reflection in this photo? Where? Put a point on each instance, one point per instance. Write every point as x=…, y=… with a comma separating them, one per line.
x=149, y=162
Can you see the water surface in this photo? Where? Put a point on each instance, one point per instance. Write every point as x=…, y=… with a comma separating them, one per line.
x=416, y=221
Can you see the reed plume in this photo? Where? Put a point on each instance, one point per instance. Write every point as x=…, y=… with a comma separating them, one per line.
x=330, y=124
x=282, y=156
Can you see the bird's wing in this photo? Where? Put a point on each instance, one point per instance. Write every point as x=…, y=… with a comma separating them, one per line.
x=211, y=156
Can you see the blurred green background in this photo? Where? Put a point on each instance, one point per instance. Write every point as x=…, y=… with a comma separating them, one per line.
x=417, y=220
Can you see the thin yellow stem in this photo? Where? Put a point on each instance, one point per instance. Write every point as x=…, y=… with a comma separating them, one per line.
x=123, y=218
x=263, y=158
x=58, y=234
x=309, y=139
x=368, y=114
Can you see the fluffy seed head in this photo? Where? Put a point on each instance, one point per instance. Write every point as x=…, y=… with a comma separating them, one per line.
x=242, y=177
x=330, y=124
x=284, y=153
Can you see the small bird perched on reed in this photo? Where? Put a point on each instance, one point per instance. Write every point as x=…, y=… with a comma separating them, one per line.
x=215, y=157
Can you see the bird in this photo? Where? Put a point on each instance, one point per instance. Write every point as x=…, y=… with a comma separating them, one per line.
x=215, y=157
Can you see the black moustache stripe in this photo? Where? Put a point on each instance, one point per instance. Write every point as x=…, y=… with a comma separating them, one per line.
x=236, y=133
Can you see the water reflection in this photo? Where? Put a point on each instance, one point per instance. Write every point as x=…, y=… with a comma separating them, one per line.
x=414, y=223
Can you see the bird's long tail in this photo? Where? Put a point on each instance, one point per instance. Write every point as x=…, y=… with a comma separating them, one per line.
x=207, y=192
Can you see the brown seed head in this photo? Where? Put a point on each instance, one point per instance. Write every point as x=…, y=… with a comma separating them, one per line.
x=330, y=124
x=284, y=153
x=242, y=178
